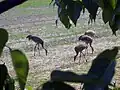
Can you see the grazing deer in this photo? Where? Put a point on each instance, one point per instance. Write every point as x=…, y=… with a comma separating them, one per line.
x=38, y=41
x=78, y=49
x=87, y=39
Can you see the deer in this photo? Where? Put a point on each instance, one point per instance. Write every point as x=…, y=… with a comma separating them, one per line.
x=88, y=40
x=79, y=49
x=38, y=41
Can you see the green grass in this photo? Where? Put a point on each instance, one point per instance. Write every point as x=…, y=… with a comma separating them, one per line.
x=35, y=3
x=31, y=7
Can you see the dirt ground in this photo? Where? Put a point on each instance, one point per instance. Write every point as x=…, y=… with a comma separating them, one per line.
x=60, y=45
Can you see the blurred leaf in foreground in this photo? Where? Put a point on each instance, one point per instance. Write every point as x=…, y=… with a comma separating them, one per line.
x=99, y=75
x=74, y=9
x=3, y=39
x=56, y=86
x=9, y=83
x=3, y=75
x=21, y=66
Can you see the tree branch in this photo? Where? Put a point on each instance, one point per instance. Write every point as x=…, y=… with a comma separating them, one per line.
x=8, y=4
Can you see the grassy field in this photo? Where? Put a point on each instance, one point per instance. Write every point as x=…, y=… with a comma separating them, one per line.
x=35, y=4
x=37, y=18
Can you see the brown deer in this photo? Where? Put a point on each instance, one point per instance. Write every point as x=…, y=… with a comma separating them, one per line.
x=80, y=49
x=88, y=40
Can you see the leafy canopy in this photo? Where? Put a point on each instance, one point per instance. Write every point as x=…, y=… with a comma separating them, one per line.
x=70, y=10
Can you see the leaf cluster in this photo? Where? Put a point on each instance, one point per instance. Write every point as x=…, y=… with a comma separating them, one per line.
x=20, y=63
x=70, y=10
x=99, y=76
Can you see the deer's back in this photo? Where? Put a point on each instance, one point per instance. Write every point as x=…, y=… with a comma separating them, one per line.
x=37, y=39
x=81, y=47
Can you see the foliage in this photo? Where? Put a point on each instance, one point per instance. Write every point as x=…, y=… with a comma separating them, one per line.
x=4, y=39
x=5, y=80
x=20, y=64
x=8, y=4
x=71, y=10
x=50, y=85
x=98, y=77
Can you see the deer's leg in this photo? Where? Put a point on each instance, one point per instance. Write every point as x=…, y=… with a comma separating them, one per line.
x=80, y=57
x=35, y=49
x=75, y=56
x=46, y=51
x=39, y=48
x=86, y=51
x=91, y=48
x=44, y=48
x=84, y=56
x=56, y=23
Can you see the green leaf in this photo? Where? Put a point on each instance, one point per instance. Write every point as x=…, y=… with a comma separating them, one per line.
x=117, y=9
x=107, y=15
x=10, y=83
x=28, y=88
x=115, y=23
x=100, y=3
x=69, y=76
x=113, y=3
x=3, y=39
x=113, y=26
x=107, y=56
x=3, y=75
x=21, y=66
x=56, y=86
x=96, y=77
x=64, y=18
x=116, y=88
x=74, y=9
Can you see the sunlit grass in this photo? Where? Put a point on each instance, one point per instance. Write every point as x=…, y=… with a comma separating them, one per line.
x=34, y=3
